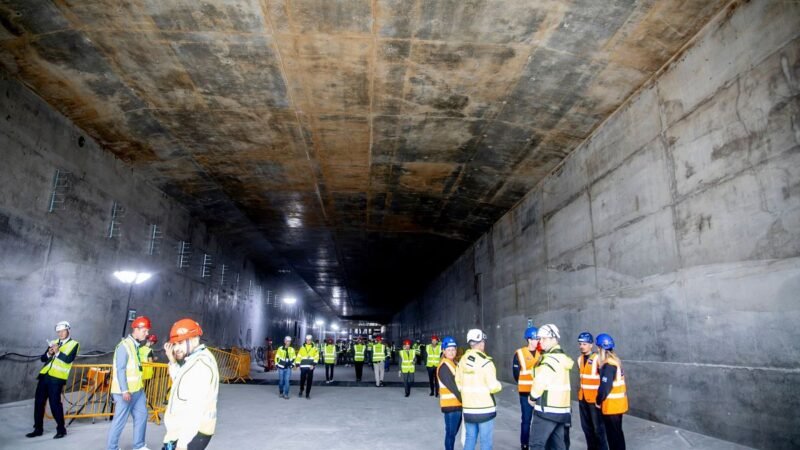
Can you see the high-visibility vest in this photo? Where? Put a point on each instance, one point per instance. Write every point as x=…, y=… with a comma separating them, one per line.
x=590, y=378
x=57, y=368
x=144, y=354
x=378, y=353
x=434, y=353
x=190, y=408
x=330, y=354
x=476, y=377
x=554, y=392
x=284, y=357
x=307, y=356
x=358, y=352
x=527, y=361
x=407, y=361
x=617, y=400
x=133, y=368
x=447, y=399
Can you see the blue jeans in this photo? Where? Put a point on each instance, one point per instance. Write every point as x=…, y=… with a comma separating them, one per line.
x=137, y=408
x=283, y=380
x=452, y=423
x=527, y=416
x=484, y=430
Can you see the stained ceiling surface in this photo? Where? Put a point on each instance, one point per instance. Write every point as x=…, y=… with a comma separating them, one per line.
x=364, y=144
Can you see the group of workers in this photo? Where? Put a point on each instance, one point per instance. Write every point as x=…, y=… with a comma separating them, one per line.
x=191, y=413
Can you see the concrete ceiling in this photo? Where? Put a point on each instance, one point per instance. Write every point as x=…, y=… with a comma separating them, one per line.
x=364, y=144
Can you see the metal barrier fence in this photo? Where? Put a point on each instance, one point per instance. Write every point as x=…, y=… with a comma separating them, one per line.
x=234, y=365
x=87, y=393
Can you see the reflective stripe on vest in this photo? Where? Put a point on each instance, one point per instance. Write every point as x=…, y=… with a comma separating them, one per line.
x=307, y=356
x=434, y=353
x=446, y=397
x=57, y=368
x=555, y=398
x=407, y=361
x=284, y=357
x=133, y=368
x=330, y=354
x=359, y=352
x=378, y=353
x=617, y=400
x=526, y=362
x=590, y=379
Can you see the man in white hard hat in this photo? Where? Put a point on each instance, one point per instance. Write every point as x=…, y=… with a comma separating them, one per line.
x=284, y=359
x=550, y=393
x=53, y=376
x=307, y=358
x=476, y=378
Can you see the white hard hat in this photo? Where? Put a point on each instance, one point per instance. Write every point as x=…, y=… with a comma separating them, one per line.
x=549, y=331
x=476, y=335
x=287, y=338
x=63, y=325
x=309, y=337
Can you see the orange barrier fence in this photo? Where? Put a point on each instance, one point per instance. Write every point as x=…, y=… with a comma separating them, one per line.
x=234, y=365
x=87, y=391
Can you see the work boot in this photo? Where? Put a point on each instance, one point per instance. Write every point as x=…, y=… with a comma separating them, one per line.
x=33, y=434
x=60, y=435
x=525, y=447
x=308, y=397
x=300, y=394
x=430, y=395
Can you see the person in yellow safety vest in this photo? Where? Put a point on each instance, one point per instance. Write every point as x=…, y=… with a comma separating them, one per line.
x=370, y=344
x=146, y=356
x=379, y=352
x=450, y=399
x=591, y=417
x=476, y=377
x=127, y=387
x=407, y=368
x=307, y=359
x=329, y=356
x=612, y=395
x=191, y=415
x=525, y=358
x=433, y=354
x=52, y=377
x=284, y=360
x=359, y=352
x=550, y=394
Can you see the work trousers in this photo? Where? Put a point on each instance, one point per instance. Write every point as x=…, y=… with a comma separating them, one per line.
x=48, y=389
x=526, y=411
x=592, y=424
x=408, y=380
x=329, y=371
x=452, y=423
x=359, y=369
x=613, y=426
x=306, y=377
x=380, y=371
x=199, y=442
x=433, y=384
x=547, y=434
x=137, y=408
x=483, y=431
x=283, y=380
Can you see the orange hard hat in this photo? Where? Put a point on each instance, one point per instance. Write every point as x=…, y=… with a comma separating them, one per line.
x=407, y=342
x=184, y=329
x=152, y=338
x=141, y=322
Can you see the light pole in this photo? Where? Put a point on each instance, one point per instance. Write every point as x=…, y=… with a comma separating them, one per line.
x=130, y=278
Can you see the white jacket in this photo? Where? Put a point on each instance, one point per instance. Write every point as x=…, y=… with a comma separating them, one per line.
x=192, y=404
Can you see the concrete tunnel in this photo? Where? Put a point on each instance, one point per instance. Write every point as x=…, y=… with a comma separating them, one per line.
x=409, y=168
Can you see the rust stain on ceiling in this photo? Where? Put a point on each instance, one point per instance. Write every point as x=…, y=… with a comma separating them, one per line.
x=368, y=141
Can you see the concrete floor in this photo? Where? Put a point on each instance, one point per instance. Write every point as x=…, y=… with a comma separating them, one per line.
x=340, y=417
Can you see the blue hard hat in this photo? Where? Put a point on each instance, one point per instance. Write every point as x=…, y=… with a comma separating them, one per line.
x=586, y=337
x=605, y=341
x=530, y=333
x=449, y=342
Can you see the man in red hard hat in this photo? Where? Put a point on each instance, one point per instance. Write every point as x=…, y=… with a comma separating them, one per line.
x=127, y=386
x=191, y=415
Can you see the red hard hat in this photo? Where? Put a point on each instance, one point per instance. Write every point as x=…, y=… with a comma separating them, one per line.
x=435, y=337
x=141, y=322
x=330, y=341
x=378, y=338
x=407, y=342
x=152, y=338
x=184, y=329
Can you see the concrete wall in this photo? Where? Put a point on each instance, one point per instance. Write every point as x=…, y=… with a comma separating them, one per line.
x=675, y=228
x=58, y=265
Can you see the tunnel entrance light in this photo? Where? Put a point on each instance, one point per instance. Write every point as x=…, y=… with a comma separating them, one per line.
x=289, y=300
x=130, y=277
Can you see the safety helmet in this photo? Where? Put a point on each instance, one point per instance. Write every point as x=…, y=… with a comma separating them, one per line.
x=407, y=342
x=586, y=338
x=63, y=325
x=530, y=333
x=141, y=322
x=449, y=342
x=476, y=335
x=152, y=338
x=309, y=337
x=548, y=331
x=605, y=341
x=434, y=337
x=184, y=329
x=379, y=338
x=330, y=341
x=287, y=338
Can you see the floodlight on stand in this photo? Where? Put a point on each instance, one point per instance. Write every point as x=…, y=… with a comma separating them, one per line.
x=289, y=300
x=335, y=326
x=320, y=322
